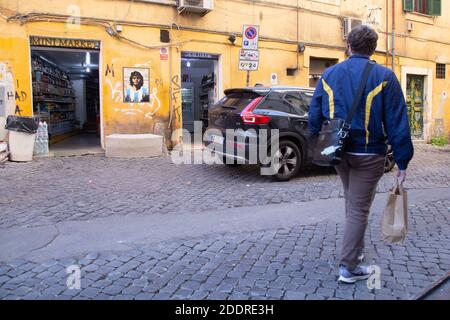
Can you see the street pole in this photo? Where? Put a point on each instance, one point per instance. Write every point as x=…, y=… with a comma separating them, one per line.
x=393, y=36
x=248, y=78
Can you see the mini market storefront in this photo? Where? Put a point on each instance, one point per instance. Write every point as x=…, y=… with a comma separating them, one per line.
x=85, y=81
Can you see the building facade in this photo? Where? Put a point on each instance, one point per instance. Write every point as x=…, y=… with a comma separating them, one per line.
x=156, y=66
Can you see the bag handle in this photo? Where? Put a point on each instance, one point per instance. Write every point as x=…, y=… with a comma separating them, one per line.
x=348, y=122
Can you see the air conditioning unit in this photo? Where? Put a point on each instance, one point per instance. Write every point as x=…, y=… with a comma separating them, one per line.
x=348, y=25
x=196, y=6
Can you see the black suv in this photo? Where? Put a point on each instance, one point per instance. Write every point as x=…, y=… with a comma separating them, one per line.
x=246, y=111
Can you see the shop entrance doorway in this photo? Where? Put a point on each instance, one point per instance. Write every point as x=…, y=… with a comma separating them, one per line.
x=200, y=87
x=66, y=96
x=415, y=90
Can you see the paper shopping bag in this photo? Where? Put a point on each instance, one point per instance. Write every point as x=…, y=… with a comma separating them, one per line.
x=395, y=216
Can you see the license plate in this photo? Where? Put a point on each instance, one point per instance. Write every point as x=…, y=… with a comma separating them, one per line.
x=216, y=139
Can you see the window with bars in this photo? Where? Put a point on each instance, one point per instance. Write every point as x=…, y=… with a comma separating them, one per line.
x=429, y=7
x=440, y=71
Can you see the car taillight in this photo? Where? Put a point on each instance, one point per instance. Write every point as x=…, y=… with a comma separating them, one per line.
x=248, y=117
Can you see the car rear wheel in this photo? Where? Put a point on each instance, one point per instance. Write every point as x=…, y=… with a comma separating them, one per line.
x=289, y=161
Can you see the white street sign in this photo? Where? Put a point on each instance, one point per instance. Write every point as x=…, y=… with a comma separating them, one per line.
x=248, y=65
x=274, y=79
x=249, y=55
x=250, y=36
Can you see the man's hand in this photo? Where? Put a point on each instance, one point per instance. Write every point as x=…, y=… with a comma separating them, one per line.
x=401, y=176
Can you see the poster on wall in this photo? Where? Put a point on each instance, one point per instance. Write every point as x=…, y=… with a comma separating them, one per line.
x=136, y=85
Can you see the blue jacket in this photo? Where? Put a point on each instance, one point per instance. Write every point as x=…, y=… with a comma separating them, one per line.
x=382, y=114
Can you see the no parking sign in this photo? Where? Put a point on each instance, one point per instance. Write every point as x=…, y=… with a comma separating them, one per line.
x=250, y=35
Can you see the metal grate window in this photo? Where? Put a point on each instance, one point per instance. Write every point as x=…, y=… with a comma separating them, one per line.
x=440, y=71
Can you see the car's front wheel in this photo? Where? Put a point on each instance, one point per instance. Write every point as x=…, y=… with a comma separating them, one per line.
x=287, y=161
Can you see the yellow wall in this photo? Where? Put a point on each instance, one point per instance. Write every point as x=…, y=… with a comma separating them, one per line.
x=319, y=27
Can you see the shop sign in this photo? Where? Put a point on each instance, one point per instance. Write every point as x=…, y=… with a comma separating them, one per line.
x=198, y=55
x=64, y=43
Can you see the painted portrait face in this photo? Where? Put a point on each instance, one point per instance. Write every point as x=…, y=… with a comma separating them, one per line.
x=135, y=80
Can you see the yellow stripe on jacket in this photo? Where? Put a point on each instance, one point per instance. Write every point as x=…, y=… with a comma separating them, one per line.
x=330, y=93
x=372, y=94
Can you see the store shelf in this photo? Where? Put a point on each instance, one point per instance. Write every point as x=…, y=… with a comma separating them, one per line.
x=51, y=75
x=53, y=97
x=51, y=84
x=62, y=120
x=54, y=101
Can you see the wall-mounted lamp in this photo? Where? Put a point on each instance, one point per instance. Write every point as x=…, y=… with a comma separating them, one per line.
x=110, y=31
x=232, y=39
x=301, y=47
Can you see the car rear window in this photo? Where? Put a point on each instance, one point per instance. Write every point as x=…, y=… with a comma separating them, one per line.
x=307, y=97
x=238, y=100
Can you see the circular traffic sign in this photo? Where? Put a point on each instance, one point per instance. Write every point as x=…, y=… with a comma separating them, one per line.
x=251, y=32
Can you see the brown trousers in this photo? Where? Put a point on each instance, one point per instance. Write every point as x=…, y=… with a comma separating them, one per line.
x=359, y=176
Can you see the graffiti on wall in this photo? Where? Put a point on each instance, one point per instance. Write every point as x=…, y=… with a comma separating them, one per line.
x=12, y=96
x=159, y=83
x=20, y=97
x=15, y=96
x=176, y=102
x=113, y=84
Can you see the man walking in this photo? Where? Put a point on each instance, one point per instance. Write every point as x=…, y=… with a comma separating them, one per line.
x=381, y=116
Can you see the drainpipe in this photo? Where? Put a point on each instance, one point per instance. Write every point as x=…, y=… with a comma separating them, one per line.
x=393, y=36
x=387, y=33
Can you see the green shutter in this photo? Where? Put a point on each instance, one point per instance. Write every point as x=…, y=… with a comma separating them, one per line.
x=408, y=5
x=434, y=7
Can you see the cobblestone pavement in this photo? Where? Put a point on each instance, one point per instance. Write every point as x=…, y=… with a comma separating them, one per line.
x=298, y=262
x=52, y=190
x=291, y=263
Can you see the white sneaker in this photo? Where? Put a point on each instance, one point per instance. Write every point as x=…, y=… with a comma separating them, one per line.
x=359, y=273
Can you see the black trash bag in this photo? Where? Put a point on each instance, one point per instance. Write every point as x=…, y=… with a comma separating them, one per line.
x=22, y=124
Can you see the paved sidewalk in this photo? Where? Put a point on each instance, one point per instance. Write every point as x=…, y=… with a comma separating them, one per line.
x=297, y=262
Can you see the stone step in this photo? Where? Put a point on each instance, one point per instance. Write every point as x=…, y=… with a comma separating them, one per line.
x=133, y=145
